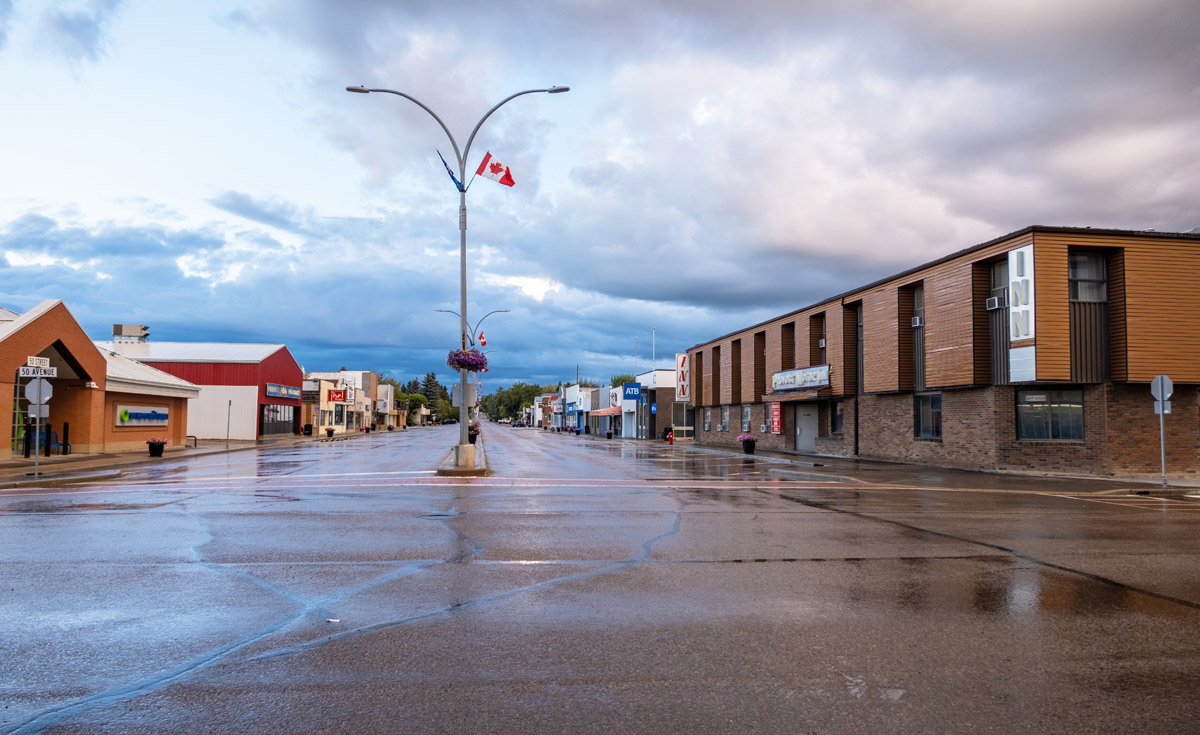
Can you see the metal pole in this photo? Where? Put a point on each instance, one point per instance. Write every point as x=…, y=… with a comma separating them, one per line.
x=228, y=413
x=37, y=428
x=1162, y=445
x=635, y=358
x=464, y=409
x=653, y=337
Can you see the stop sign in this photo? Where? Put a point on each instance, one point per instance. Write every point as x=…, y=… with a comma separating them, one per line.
x=32, y=388
x=1162, y=388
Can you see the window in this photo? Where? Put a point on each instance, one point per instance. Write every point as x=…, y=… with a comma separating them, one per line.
x=838, y=418
x=1050, y=414
x=339, y=415
x=707, y=418
x=1087, y=276
x=724, y=419
x=927, y=415
x=745, y=418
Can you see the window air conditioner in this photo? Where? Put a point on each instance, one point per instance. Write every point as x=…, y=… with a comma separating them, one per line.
x=995, y=302
x=821, y=343
x=916, y=322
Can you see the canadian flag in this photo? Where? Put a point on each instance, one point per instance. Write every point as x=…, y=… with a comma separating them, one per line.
x=494, y=170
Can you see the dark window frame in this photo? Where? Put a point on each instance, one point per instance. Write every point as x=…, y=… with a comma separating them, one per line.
x=927, y=427
x=1061, y=414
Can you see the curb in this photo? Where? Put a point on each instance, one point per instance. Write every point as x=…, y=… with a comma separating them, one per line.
x=44, y=480
x=481, y=469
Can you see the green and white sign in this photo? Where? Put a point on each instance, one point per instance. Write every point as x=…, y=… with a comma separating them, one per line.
x=142, y=416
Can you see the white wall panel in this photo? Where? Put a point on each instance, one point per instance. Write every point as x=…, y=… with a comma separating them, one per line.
x=207, y=414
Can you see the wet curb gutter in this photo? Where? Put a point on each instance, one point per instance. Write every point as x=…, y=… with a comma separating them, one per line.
x=44, y=480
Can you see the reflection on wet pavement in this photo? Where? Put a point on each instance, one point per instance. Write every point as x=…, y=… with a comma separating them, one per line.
x=348, y=576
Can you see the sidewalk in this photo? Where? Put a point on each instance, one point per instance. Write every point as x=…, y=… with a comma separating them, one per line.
x=879, y=472
x=73, y=468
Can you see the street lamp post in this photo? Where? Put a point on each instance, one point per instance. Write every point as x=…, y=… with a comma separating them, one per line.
x=465, y=453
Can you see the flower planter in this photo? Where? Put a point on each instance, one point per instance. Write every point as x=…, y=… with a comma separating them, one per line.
x=329, y=433
x=748, y=447
x=608, y=435
x=156, y=450
x=472, y=437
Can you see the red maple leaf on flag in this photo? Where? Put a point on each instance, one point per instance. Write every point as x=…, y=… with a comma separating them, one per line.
x=491, y=168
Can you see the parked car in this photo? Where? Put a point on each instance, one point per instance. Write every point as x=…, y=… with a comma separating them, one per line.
x=450, y=421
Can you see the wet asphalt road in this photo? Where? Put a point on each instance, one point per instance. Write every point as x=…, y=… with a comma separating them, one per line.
x=587, y=587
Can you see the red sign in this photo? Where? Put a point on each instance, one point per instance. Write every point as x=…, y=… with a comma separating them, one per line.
x=775, y=423
x=337, y=396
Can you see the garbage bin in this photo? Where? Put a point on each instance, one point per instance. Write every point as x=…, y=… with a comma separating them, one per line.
x=308, y=429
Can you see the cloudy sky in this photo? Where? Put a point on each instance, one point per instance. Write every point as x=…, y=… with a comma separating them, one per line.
x=200, y=168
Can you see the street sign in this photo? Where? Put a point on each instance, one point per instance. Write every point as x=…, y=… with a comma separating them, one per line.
x=26, y=371
x=38, y=391
x=37, y=361
x=38, y=412
x=472, y=395
x=1161, y=388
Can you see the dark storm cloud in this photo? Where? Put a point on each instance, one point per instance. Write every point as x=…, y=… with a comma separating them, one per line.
x=6, y=7
x=79, y=34
x=272, y=214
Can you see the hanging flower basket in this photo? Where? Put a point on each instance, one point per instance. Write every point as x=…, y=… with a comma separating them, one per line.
x=472, y=360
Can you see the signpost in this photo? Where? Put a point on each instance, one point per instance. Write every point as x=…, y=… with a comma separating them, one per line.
x=1162, y=388
x=38, y=392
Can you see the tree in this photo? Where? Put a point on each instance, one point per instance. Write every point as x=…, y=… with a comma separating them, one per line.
x=623, y=378
x=414, y=402
x=431, y=389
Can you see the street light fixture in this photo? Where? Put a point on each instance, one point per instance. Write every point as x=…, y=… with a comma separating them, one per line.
x=465, y=453
x=475, y=329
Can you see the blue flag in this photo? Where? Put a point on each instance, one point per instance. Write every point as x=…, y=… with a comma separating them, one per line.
x=457, y=183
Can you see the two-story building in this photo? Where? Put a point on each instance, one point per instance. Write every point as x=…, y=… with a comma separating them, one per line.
x=1032, y=352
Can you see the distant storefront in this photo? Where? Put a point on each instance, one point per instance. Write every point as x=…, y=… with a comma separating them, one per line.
x=247, y=391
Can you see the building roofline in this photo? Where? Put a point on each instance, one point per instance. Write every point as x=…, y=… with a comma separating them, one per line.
x=958, y=254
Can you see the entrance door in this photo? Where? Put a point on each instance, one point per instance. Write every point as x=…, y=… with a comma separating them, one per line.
x=806, y=428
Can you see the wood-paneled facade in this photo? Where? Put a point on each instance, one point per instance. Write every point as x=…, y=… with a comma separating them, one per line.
x=1110, y=310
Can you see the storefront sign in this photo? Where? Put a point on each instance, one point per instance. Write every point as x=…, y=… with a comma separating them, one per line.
x=810, y=377
x=633, y=391
x=337, y=396
x=683, y=378
x=776, y=423
x=275, y=390
x=142, y=416
x=1022, y=361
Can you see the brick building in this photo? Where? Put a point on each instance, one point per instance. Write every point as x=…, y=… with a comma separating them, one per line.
x=1031, y=352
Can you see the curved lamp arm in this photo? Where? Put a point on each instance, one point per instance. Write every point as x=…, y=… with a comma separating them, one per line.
x=462, y=157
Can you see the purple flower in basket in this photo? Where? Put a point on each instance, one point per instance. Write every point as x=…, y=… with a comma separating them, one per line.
x=472, y=360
